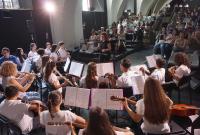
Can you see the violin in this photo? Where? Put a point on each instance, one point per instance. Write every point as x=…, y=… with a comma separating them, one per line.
x=40, y=104
x=183, y=110
x=131, y=100
x=66, y=123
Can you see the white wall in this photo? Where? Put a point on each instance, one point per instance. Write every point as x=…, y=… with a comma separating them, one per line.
x=66, y=22
x=130, y=5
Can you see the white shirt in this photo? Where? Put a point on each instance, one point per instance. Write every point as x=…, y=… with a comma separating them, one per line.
x=116, y=132
x=47, y=51
x=32, y=54
x=63, y=54
x=61, y=116
x=54, y=56
x=148, y=127
x=181, y=71
x=18, y=112
x=53, y=79
x=159, y=74
x=125, y=79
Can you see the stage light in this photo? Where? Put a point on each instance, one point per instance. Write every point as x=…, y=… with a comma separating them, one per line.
x=180, y=6
x=49, y=6
x=186, y=5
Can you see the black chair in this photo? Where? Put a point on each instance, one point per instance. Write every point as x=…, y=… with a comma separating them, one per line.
x=8, y=128
x=171, y=133
x=184, y=83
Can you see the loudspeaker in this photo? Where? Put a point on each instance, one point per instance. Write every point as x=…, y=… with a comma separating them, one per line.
x=29, y=25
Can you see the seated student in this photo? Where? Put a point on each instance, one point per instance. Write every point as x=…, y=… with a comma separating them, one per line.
x=124, y=80
x=54, y=115
x=91, y=79
x=45, y=59
x=38, y=61
x=33, y=51
x=48, y=48
x=20, y=56
x=9, y=74
x=7, y=57
x=99, y=124
x=20, y=113
x=182, y=67
x=54, y=56
x=62, y=52
x=159, y=72
x=51, y=78
x=155, y=119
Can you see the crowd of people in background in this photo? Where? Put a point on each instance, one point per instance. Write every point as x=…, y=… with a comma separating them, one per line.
x=180, y=37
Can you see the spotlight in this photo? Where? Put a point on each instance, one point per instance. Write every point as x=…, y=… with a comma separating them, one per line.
x=49, y=6
x=187, y=6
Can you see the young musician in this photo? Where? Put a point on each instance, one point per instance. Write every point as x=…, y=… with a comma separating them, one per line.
x=20, y=113
x=9, y=75
x=48, y=48
x=54, y=56
x=154, y=108
x=20, y=56
x=159, y=72
x=38, y=60
x=33, y=50
x=91, y=79
x=55, y=115
x=63, y=54
x=45, y=59
x=99, y=124
x=124, y=80
x=51, y=77
x=182, y=68
x=7, y=57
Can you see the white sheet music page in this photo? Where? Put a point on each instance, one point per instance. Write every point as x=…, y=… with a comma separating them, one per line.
x=70, y=96
x=114, y=105
x=104, y=68
x=98, y=98
x=137, y=68
x=151, y=61
x=83, y=98
x=67, y=64
x=138, y=84
x=26, y=66
x=76, y=69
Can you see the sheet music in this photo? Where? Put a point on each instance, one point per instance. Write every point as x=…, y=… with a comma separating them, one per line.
x=67, y=65
x=77, y=97
x=113, y=105
x=138, y=84
x=82, y=98
x=0, y=80
x=137, y=68
x=104, y=68
x=76, y=69
x=98, y=98
x=70, y=96
x=26, y=66
x=151, y=60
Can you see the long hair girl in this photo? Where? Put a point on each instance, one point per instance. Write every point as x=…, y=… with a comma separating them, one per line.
x=91, y=80
x=157, y=105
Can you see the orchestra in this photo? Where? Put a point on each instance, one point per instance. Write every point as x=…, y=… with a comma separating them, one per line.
x=48, y=89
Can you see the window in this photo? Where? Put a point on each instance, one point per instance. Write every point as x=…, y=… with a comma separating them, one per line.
x=86, y=5
x=9, y=4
